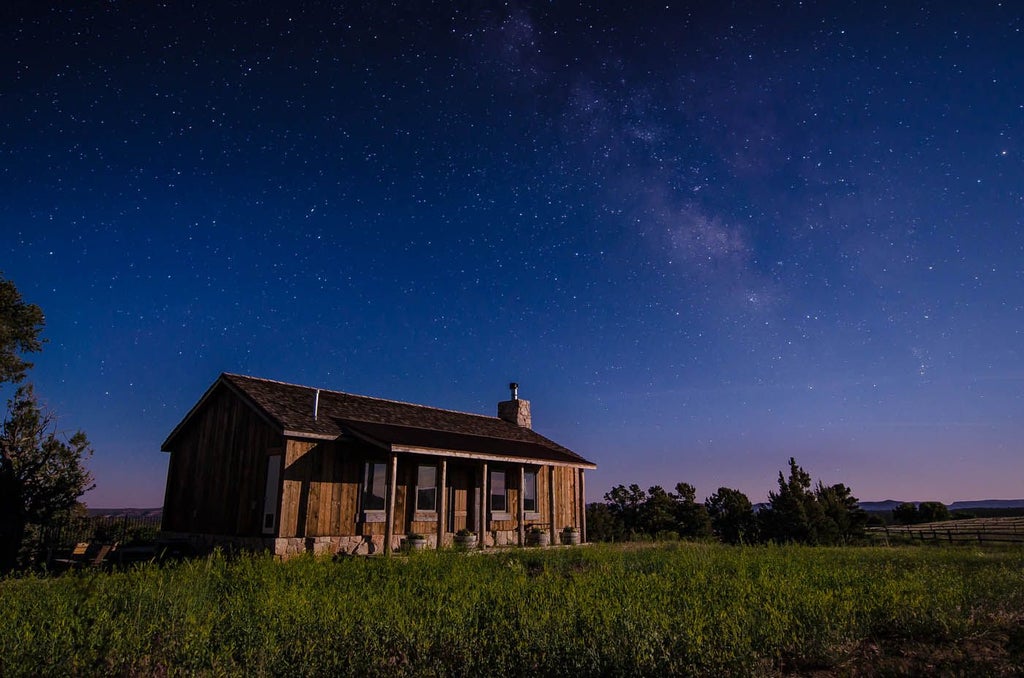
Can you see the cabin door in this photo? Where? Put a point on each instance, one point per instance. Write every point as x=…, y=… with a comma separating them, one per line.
x=460, y=510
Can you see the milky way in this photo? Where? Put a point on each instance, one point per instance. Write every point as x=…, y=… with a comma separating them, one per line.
x=702, y=238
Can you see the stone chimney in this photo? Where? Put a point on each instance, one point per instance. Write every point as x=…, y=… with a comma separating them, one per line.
x=516, y=411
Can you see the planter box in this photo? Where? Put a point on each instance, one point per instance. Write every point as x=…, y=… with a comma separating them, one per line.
x=570, y=538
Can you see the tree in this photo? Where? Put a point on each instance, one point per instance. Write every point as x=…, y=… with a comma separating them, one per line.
x=932, y=512
x=625, y=504
x=41, y=475
x=658, y=513
x=793, y=513
x=842, y=519
x=603, y=524
x=732, y=516
x=691, y=517
x=20, y=324
x=905, y=513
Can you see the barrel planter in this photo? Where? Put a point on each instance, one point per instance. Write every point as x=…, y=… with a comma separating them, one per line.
x=416, y=542
x=464, y=541
x=538, y=538
x=570, y=537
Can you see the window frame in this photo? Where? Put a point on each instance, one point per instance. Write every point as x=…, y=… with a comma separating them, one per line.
x=496, y=513
x=373, y=515
x=534, y=512
x=417, y=508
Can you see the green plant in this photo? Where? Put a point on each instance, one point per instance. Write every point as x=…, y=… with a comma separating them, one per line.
x=693, y=609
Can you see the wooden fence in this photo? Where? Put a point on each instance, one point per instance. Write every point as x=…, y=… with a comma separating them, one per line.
x=971, y=530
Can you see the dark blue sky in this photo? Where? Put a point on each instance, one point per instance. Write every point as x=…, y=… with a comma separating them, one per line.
x=703, y=237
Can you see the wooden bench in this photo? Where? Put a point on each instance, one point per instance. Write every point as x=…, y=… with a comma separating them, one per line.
x=84, y=554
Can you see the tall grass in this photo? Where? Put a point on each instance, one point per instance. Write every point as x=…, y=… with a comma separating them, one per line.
x=674, y=610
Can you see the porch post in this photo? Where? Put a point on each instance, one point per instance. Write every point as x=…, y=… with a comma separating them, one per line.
x=522, y=506
x=389, y=521
x=442, y=503
x=551, y=502
x=583, y=508
x=482, y=513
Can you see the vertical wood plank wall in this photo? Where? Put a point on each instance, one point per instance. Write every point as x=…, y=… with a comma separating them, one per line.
x=566, y=498
x=216, y=475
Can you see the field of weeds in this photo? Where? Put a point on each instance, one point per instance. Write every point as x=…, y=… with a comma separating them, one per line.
x=679, y=609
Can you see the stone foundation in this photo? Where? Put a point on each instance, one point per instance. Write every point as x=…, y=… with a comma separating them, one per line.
x=288, y=547
x=502, y=538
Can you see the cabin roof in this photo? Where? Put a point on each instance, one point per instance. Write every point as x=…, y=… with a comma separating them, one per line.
x=289, y=408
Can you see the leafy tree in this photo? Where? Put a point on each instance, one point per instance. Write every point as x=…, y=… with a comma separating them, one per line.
x=603, y=524
x=905, y=513
x=732, y=516
x=691, y=517
x=625, y=504
x=20, y=324
x=41, y=475
x=658, y=513
x=932, y=512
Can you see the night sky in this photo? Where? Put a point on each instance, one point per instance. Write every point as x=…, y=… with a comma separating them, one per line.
x=703, y=237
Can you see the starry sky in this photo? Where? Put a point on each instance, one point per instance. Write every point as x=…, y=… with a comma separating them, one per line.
x=703, y=237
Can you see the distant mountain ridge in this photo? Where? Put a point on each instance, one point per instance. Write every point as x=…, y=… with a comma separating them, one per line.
x=125, y=512
x=890, y=504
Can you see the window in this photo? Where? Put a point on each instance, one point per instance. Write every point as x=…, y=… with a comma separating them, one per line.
x=426, y=488
x=374, y=486
x=271, y=496
x=530, y=492
x=499, y=500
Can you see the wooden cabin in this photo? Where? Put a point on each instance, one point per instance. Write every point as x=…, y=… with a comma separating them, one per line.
x=267, y=465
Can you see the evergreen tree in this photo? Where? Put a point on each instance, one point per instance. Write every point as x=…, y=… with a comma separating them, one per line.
x=41, y=475
x=842, y=520
x=20, y=325
x=793, y=513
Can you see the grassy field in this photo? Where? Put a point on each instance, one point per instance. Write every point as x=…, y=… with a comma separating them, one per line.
x=681, y=609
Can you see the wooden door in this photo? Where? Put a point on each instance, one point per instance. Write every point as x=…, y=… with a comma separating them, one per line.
x=460, y=508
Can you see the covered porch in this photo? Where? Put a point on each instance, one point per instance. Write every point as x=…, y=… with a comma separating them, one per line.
x=441, y=493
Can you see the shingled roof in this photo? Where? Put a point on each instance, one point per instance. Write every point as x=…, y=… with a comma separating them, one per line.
x=388, y=423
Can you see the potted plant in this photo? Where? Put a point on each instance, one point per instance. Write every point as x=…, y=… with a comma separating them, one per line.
x=537, y=536
x=464, y=539
x=416, y=542
x=570, y=535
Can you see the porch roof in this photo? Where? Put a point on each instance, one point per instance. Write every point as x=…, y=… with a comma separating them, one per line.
x=439, y=442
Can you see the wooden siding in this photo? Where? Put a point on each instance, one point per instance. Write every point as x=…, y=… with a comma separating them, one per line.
x=216, y=475
x=566, y=497
x=322, y=482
